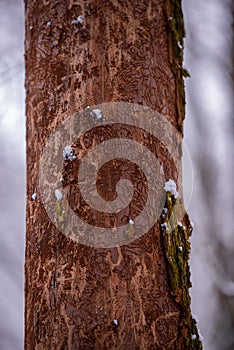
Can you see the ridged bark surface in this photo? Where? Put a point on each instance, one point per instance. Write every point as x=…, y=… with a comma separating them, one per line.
x=123, y=51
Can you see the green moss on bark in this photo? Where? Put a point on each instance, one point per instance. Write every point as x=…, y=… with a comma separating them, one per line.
x=175, y=238
x=176, y=34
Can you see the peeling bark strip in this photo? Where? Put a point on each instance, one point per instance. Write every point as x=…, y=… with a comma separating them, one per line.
x=81, y=53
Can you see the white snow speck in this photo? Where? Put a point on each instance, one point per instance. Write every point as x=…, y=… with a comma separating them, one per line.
x=97, y=113
x=194, y=336
x=31, y=27
x=165, y=210
x=170, y=186
x=58, y=195
x=115, y=322
x=180, y=224
x=68, y=153
x=164, y=225
x=131, y=222
x=34, y=196
x=78, y=20
x=48, y=24
x=179, y=44
x=199, y=332
x=89, y=110
x=180, y=248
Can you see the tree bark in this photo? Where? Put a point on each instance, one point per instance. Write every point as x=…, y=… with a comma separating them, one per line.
x=134, y=296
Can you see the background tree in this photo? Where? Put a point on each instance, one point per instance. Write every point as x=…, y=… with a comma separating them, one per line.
x=12, y=175
x=210, y=120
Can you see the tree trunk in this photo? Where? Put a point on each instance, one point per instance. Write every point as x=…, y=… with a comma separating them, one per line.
x=129, y=293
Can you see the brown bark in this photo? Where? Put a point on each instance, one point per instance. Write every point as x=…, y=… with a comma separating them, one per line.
x=123, y=51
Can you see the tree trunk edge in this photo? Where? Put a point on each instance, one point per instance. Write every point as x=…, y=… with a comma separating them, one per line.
x=176, y=243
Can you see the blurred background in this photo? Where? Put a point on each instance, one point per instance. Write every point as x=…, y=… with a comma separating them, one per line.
x=209, y=135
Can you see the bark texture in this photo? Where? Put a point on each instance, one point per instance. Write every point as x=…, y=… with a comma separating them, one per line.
x=123, y=51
